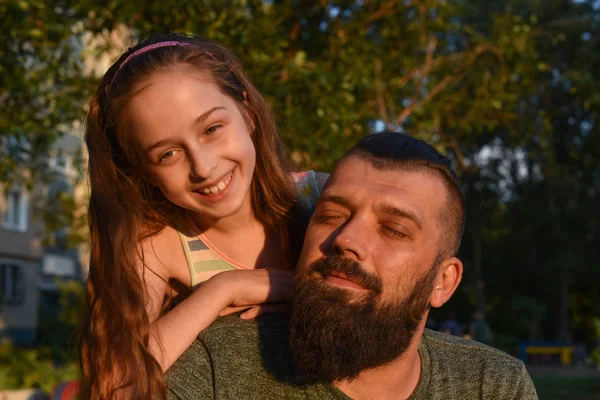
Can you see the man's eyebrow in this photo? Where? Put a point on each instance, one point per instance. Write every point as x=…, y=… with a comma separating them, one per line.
x=335, y=199
x=397, y=212
x=197, y=121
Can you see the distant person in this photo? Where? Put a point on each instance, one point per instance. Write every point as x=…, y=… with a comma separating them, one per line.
x=379, y=252
x=580, y=355
x=188, y=180
x=480, y=330
x=450, y=326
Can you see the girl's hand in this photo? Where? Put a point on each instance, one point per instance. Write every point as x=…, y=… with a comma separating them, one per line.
x=261, y=291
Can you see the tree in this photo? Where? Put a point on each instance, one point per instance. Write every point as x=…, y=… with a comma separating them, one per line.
x=506, y=88
x=41, y=87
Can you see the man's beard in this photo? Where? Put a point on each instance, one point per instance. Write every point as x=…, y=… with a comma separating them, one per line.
x=334, y=335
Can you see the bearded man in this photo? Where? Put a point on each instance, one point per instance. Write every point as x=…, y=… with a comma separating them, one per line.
x=380, y=250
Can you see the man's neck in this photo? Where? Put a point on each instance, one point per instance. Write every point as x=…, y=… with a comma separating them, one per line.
x=395, y=380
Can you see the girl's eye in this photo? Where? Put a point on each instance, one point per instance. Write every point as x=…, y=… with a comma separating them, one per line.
x=212, y=129
x=167, y=155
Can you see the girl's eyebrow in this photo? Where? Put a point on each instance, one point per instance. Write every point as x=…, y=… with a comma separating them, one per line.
x=197, y=121
x=204, y=116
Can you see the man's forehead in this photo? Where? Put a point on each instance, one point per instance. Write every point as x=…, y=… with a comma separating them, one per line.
x=358, y=180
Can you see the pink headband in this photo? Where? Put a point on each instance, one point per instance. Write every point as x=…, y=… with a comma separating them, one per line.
x=158, y=45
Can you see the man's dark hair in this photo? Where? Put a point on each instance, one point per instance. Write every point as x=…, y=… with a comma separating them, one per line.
x=392, y=150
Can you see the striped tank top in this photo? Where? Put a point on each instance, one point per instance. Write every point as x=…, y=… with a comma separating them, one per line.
x=205, y=260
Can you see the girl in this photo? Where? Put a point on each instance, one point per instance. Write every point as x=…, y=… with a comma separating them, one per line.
x=189, y=184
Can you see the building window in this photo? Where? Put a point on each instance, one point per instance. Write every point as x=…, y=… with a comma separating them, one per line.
x=11, y=284
x=16, y=213
x=59, y=265
x=62, y=164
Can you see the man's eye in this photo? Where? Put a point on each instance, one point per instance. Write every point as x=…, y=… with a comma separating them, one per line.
x=329, y=217
x=393, y=232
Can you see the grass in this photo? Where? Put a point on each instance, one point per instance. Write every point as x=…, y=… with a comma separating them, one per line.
x=555, y=386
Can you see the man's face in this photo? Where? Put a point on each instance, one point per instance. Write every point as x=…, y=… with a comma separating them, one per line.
x=367, y=269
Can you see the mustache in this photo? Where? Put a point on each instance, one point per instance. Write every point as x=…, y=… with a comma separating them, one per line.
x=349, y=267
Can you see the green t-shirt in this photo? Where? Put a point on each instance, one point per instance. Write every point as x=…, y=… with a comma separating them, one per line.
x=237, y=359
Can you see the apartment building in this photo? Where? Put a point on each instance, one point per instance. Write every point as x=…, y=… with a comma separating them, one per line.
x=30, y=270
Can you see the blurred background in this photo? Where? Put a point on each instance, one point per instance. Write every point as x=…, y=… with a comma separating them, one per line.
x=508, y=89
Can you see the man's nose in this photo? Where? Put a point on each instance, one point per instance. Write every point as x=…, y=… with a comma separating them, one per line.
x=203, y=162
x=352, y=240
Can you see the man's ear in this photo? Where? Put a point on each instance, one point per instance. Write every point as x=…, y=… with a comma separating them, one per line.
x=448, y=278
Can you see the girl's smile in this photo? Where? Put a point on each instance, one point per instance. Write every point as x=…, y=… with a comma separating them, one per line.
x=217, y=191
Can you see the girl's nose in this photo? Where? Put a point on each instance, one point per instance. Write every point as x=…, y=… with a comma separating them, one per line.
x=203, y=162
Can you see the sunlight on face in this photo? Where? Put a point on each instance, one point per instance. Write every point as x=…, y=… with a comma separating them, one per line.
x=195, y=143
x=387, y=220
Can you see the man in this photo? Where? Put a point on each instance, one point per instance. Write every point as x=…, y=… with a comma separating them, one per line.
x=379, y=252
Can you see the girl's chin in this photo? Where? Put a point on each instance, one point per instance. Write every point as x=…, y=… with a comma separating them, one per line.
x=218, y=210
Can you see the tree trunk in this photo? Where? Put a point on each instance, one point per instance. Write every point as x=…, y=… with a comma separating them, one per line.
x=475, y=219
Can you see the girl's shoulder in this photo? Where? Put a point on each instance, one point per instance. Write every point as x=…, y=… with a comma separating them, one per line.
x=161, y=262
x=163, y=253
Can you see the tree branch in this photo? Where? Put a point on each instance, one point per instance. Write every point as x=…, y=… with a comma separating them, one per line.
x=414, y=106
x=426, y=69
x=379, y=92
x=385, y=9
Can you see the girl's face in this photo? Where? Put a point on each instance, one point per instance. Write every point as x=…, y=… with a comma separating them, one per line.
x=195, y=142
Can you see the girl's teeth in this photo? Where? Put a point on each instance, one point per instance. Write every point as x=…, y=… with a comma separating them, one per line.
x=217, y=188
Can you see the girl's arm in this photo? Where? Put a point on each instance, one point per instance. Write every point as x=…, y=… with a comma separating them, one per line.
x=174, y=332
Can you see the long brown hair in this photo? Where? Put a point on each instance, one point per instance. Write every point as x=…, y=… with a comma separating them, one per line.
x=124, y=208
